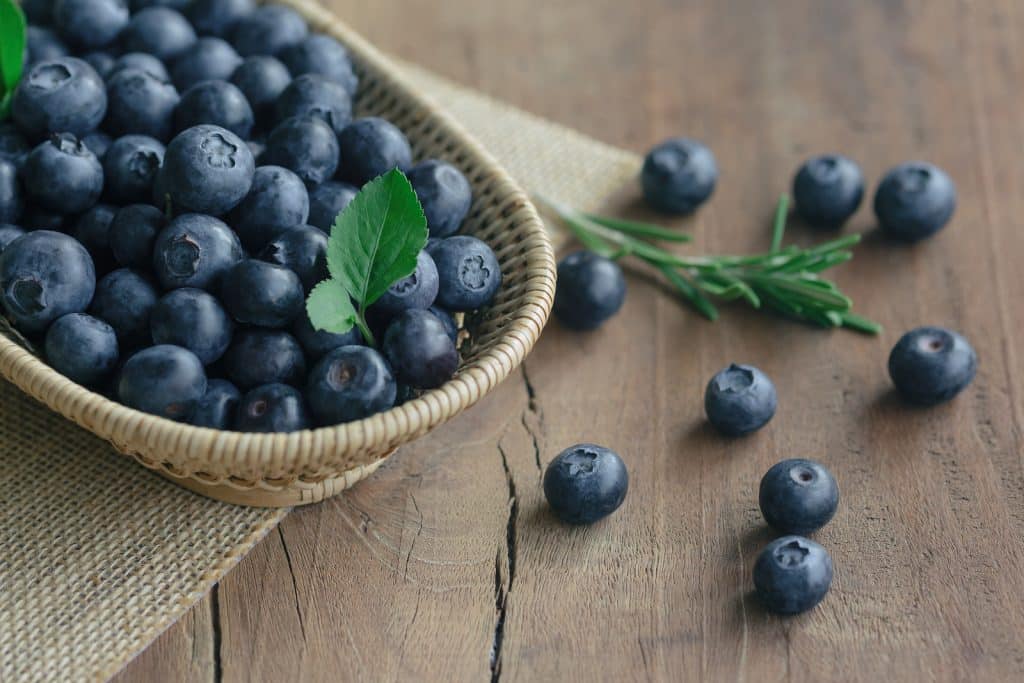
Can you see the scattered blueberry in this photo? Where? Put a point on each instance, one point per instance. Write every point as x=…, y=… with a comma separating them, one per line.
x=315, y=95
x=323, y=55
x=218, y=17
x=327, y=200
x=419, y=349
x=125, y=299
x=931, y=365
x=195, y=250
x=798, y=496
x=259, y=356
x=141, y=104
x=678, y=176
x=130, y=167
x=739, y=400
x=350, y=383
x=163, y=380
x=194, y=320
x=418, y=290
x=305, y=145
x=90, y=23
x=209, y=59
x=792, y=575
x=216, y=408
x=262, y=79
x=468, y=272
x=269, y=30
x=133, y=232
x=444, y=193
x=63, y=175
x=317, y=343
x=215, y=103
x=276, y=202
x=302, y=250
x=827, y=190
x=914, y=201
x=141, y=61
x=92, y=229
x=371, y=147
x=272, y=408
x=159, y=31
x=585, y=483
x=82, y=348
x=263, y=294
x=591, y=289
x=63, y=95
x=12, y=195
x=207, y=169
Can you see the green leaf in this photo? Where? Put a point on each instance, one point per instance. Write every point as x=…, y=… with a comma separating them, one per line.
x=12, y=44
x=638, y=228
x=330, y=309
x=375, y=240
x=779, y=225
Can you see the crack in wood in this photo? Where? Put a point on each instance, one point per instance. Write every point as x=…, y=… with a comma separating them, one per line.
x=532, y=407
x=295, y=585
x=501, y=589
x=218, y=667
x=419, y=530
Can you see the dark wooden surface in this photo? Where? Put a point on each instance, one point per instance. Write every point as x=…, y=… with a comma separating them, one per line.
x=446, y=566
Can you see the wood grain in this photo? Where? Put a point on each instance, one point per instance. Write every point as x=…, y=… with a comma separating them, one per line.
x=446, y=565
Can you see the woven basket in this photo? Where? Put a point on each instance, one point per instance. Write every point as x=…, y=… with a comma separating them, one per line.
x=309, y=466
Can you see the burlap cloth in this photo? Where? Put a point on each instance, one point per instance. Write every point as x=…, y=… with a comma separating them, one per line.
x=99, y=555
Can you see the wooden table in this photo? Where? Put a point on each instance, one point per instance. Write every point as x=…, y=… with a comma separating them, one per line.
x=447, y=566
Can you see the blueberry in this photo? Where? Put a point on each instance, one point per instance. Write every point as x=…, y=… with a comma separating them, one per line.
x=272, y=408
x=269, y=30
x=931, y=365
x=141, y=61
x=63, y=95
x=263, y=294
x=591, y=289
x=739, y=400
x=179, y=5
x=792, y=575
x=195, y=250
x=163, y=380
x=262, y=79
x=258, y=357
x=82, y=348
x=207, y=169
x=827, y=190
x=140, y=103
x=194, y=320
x=419, y=349
x=102, y=61
x=350, y=383
x=9, y=233
x=418, y=290
x=208, y=60
x=218, y=406
x=326, y=201
x=444, y=193
x=98, y=143
x=277, y=202
x=468, y=271
x=302, y=250
x=42, y=44
x=13, y=145
x=218, y=17
x=90, y=23
x=159, y=31
x=130, y=167
x=92, y=229
x=321, y=54
x=305, y=145
x=446, y=318
x=63, y=175
x=371, y=147
x=125, y=299
x=12, y=195
x=317, y=343
x=914, y=201
x=217, y=103
x=678, y=176
x=798, y=496
x=585, y=483
x=315, y=95
x=44, y=275
x=133, y=233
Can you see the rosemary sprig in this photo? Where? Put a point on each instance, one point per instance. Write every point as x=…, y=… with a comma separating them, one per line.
x=785, y=279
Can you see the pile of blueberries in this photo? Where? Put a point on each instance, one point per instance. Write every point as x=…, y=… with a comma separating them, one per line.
x=167, y=183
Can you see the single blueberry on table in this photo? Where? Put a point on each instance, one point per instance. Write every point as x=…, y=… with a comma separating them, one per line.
x=141, y=104
x=207, y=169
x=63, y=95
x=208, y=60
x=678, y=176
x=914, y=201
x=307, y=146
x=194, y=320
x=159, y=31
x=419, y=349
x=371, y=147
x=258, y=356
x=931, y=365
x=792, y=575
x=468, y=272
x=272, y=408
x=269, y=30
x=350, y=383
x=263, y=294
x=739, y=400
x=302, y=250
x=327, y=200
x=323, y=55
x=827, y=190
x=262, y=79
x=43, y=276
x=102, y=61
x=317, y=343
x=63, y=175
x=142, y=62
x=133, y=232
x=125, y=299
x=218, y=17
x=9, y=233
x=163, y=380
x=82, y=348
x=12, y=195
x=218, y=406
x=216, y=103
x=417, y=290
x=315, y=95
x=591, y=289
x=585, y=483
x=130, y=167
x=92, y=229
x=90, y=23
x=798, y=496
x=444, y=193
x=42, y=44
x=450, y=327
x=276, y=202
x=98, y=143
x=195, y=250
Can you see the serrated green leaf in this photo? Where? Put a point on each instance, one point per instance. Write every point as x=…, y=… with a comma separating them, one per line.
x=12, y=44
x=330, y=309
x=375, y=240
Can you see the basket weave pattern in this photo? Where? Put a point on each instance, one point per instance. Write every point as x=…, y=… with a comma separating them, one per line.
x=307, y=466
